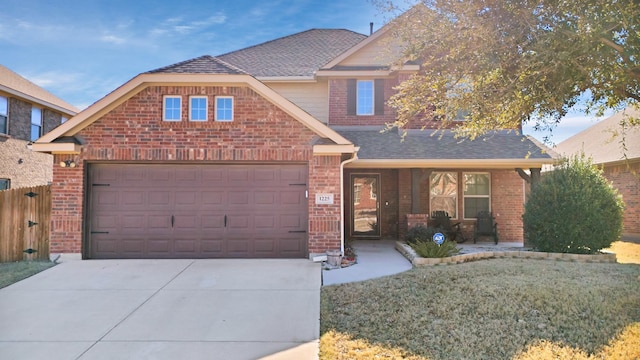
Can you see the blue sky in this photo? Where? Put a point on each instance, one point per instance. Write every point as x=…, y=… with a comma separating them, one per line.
x=80, y=50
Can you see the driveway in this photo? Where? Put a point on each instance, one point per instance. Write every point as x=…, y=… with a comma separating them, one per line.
x=164, y=309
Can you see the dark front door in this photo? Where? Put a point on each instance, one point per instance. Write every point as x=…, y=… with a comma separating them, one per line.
x=365, y=205
x=197, y=211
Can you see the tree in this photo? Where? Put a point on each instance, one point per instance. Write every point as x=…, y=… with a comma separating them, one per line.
x=502, y=63
x=574, y=209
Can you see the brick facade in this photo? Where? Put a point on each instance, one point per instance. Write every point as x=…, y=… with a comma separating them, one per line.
x=134, y=131
x=626, y=179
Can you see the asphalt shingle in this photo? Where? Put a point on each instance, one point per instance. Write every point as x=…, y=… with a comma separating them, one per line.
x=205, y=64
x=300, y=54
x=429, y=144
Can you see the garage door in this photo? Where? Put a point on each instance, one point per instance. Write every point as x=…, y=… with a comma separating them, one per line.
x=197, y=211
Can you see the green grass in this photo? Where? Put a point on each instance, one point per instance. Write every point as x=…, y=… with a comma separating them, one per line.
x=16, y=271
x=493, y=309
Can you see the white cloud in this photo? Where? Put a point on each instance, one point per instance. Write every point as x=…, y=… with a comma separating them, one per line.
x=178, y=25
x=113, y=39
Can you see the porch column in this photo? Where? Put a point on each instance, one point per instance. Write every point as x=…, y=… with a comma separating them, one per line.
x=416, y=177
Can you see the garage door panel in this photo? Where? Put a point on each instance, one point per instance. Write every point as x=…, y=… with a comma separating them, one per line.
x=196, y=211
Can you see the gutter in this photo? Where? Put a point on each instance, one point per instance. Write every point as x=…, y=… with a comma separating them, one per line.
x=353, y=158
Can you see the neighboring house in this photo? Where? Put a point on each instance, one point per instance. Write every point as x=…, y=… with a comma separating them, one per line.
x=26, y=112
x=270, y=151
x=617, y=151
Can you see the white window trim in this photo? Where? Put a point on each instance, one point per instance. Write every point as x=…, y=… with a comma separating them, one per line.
x=206, y=108
x=164, y=104
x=40, y=123
x=232, y=109
x=6, y=115
x=457, y=193
x=373, y=98
x=475, y=196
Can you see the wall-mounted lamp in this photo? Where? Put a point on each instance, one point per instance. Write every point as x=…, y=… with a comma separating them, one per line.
x=68, y=163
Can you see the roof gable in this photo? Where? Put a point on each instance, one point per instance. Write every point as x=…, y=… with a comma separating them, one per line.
x=603, y=141
x=17, y=85
x=49, y=143
x=297, y=55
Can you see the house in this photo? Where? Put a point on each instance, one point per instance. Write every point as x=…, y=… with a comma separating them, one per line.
x=27, y=111
x=617, y=151
x=274, y=150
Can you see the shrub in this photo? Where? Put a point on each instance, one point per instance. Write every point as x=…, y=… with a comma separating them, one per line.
x=429, y=249
x=573, y=209
x=420, y=233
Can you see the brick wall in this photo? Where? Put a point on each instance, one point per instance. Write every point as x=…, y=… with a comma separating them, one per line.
x=134, y=131
x=19, y=119
x=626, y=179
x=23, y=166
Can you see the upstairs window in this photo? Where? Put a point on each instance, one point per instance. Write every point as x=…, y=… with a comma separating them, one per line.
x=36, y=123
x=4, y=115
x=172, y=108
x=477, y=194
x=365, y=97
x=224, y=108
x=198, y=108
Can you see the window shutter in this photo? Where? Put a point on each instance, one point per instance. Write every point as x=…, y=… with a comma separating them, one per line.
x=351, y=96
x=378, y=102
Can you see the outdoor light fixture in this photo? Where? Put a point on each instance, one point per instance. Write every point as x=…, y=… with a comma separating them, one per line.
x=68, y=163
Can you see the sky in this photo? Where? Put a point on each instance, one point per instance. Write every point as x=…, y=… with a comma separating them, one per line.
x=81, y=50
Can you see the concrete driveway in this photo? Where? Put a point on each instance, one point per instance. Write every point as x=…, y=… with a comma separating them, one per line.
x=164, y=309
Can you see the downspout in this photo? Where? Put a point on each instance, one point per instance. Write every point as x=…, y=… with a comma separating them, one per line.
x=353, y=158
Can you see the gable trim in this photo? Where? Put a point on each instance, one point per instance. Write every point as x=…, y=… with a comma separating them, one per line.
x=142, y=81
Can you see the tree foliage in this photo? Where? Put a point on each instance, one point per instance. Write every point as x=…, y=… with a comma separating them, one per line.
x=574, y=209
x=507, y=62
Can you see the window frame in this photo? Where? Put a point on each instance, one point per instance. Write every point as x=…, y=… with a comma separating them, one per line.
x=432, y=197
x=360, y=111
x=7, y=183
x=224, y=109
x=475, y=196
x=206, y=108
x=39, y=124
x=165, y=108
x=5, y=129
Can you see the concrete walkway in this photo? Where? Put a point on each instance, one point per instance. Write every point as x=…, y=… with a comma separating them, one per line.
x=164, y=309
x=376, y=258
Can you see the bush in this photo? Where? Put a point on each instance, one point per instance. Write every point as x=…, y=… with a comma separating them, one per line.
x=420, y=233
x=429, y=249
x=573, y=209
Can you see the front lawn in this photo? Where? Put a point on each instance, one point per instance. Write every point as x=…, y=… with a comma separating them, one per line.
x=490, y=309
x=15, y=271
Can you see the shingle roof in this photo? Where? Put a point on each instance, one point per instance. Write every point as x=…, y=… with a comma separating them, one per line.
x=300, y=54
x=602, y=141
x=205, y=64
x=442, y=145
x=13, y=81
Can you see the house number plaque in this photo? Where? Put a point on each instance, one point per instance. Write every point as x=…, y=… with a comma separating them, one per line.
x=324, y=199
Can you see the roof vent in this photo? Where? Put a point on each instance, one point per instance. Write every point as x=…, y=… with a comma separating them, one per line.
x=370, y=28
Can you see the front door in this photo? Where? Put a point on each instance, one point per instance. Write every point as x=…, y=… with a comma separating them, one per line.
x=365, y=205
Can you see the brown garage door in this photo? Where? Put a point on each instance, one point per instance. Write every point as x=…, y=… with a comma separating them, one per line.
x=197, y=211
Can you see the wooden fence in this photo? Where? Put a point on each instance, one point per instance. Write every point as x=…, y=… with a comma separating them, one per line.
x=25, y=218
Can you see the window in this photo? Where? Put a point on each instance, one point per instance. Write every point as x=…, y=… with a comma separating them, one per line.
x=5, y=184
x=198, y=108
x=477, y=193
x=63, y=119
x=364, y=97
x=224, y=108
x=36, y=123
x=443, y=192
x=172, y=108
x=4, y=115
